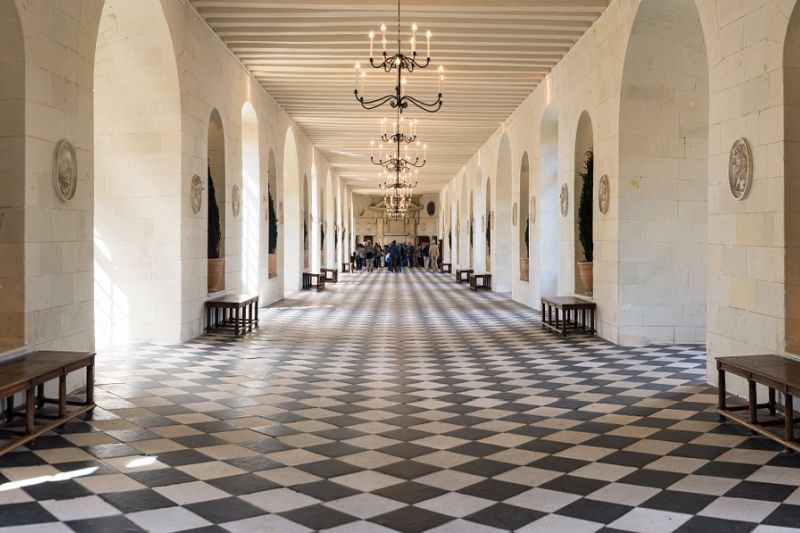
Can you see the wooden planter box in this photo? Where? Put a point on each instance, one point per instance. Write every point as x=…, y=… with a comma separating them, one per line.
x=524, y=268
x=272, y=265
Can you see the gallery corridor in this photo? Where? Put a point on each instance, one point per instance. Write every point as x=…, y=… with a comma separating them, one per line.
x=401, y=402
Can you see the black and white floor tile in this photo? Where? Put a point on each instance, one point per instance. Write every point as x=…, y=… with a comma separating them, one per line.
x=401, y=403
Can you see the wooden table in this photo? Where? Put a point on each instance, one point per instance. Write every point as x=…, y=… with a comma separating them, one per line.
x=313, y=279
x=345, y=267
x=463, y=275
x=28, y=374
x=447, y=268
x=777, y=373
x=573, y=314
x=238, y=312
x=480, y=281
x=331, y=275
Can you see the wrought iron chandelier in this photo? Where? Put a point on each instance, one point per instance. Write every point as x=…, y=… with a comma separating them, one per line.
x=397, y=195
x=397, y=159
x=398, y=62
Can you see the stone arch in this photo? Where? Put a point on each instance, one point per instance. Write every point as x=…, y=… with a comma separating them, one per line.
x=791, y=82
x=12, y=180
x=250, y=201
x=584, y=144
x=502, y=266
x=291, y=217
x=137, y=175
x=662, y=188
x=547, y=217
x=486, y=226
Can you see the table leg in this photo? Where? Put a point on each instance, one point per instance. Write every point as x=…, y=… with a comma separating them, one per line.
x=9, y=408
x=788, y=421
x=256, y=304
x=544, y=317
x=564, y=319
x=40, y=396
x=752, y=401
x=62, y=396
x=593, y=329
x=236, y=323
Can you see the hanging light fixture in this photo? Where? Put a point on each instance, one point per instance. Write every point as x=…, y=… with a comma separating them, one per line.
x=395, y=155
x=398, y=62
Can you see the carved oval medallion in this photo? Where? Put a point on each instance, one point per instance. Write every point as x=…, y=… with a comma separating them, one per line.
x=740, y=169
x=563, y=197
x=65, y=170
x=604, y=194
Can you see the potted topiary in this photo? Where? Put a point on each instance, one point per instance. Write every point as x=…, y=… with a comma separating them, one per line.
x=585, y=214
x=216, y=264
x=273, y=239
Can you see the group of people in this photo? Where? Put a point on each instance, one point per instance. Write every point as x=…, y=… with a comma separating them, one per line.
x=369, y=256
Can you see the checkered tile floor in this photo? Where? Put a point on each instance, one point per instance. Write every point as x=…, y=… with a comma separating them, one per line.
x=401, y=402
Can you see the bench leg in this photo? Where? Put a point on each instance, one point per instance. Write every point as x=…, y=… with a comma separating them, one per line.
x=9, y=408
x=788, y=420
x=752, y=400
x=62, y=396
x=721, y=400
x=90, y=384
x=771, y=401
x=236, y=324
x=564, y=317
x=30, y=406
x=40, y=396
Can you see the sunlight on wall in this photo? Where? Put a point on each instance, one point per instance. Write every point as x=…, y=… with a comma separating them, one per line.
x=251, y=225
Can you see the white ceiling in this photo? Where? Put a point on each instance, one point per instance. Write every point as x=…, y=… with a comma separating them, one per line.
x=495, y=53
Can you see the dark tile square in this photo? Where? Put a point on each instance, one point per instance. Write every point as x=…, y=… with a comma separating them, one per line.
x=329, y=468
x=325, y=490
x=503, y=516
x=705, y=524
x=161, y=477
x=224, y=510
x=411, y=519
x=484, y=467
x=137, y=500
x=104, y=524
x=57, y=490
x=318, y=517
x=574, y=485
x=406, y=450
x=784, y=516
x=754, y=490
x=20, y=514
x=408, y=469
x=493, y=489
x=410, y=492
x=594, y=511
x=679, y=502
x=652, y=478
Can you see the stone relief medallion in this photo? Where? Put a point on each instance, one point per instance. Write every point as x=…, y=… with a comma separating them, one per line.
x=740, y=169
x=197, y=193
x=563, y=198
x=532, y=214
x=514, y=214
x=65, y=170
x=236, y=200
x=604, y=194
x=422, y=226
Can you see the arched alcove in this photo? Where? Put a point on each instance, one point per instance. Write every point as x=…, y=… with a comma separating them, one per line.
x=329, y=244
x=663, y=182
x=523, y=219
x=463, y=225
x=12, y=180
x=546, y=220
x=216, y=184
x=502, y=269
x=791, y=231
x=471, y=230
x=273, y=222
x=486, y=227
x=291, y=215
x=250, y=201
x=321, y=225
x=307, y=222
x=583, y=210
x=137, y=176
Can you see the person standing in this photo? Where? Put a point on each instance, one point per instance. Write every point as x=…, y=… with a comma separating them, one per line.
x=369, y=255
x=433, y=253
x=425, y=256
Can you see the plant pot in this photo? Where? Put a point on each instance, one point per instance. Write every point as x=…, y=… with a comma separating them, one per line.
x=216, y=275
x=273, y=265
x=524, y=266
x=585, y=271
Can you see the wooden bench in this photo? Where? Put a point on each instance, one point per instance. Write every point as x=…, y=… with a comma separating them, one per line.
x=345, y=267
x=331, y=275
x=777, y=373
x=238, y=312
x=570, y=314
x=28, y=374
x=447, y=268
x=313, y=279
x=463, y=275
x=480, y=281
